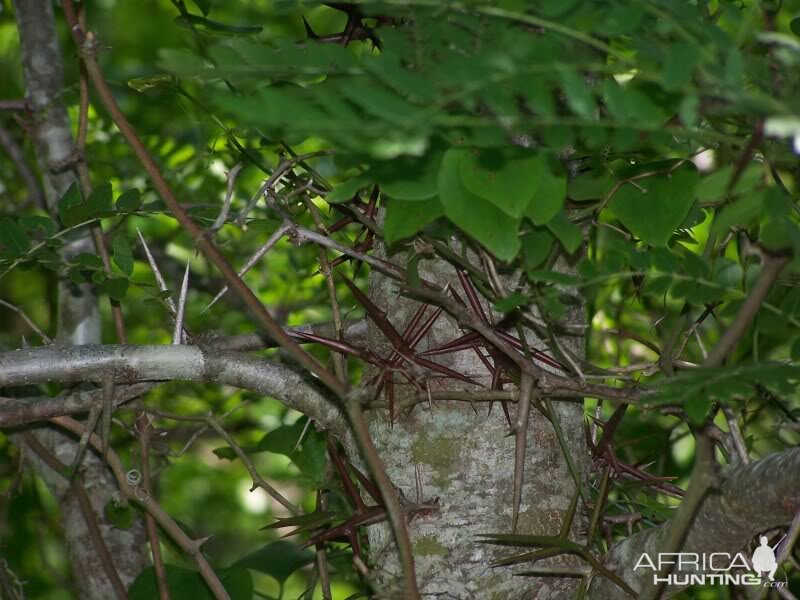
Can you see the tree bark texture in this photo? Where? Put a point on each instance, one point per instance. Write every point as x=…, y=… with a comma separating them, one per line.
x=751, y=499
x=466, y=459
x=78, y=313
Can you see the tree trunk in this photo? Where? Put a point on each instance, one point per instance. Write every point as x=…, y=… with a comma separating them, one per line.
x=78, y=318
x=466, y=459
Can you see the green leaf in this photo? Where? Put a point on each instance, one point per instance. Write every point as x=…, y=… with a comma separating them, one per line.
x=309, y=457
x=277, y=559
x=507, y=179
x=742, y=211
x=122, y=255
x=69, y=206
x=99, y=203
x=590, y=185
x=13, y=238
x=186, y=584
x=579, y=96
x=548, y=200
x=129, y=200
x=794, y=25
x=405, y=219
x=115, y=287
x=511, y=302
x=681, y=60
x=536, y=246
x=654, y=215
x=34, y=222
x=477, y=217
x=344, y=192
x=566, y=232
x=142, y=84
x=119, y=515
x=203, y=5
x=88, y=260
x=408, y=178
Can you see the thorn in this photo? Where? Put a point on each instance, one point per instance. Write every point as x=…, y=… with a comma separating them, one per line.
x=177, y=333
x=521, y=431
x=25, y=344
x=108, y=408
x=162, y=284
x=91, y=423
x=195, y=545
x=309, y=32
x=273, y=239
x=300, y=439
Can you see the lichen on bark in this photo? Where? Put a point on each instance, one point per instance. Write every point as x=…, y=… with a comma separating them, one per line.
x=466, y=459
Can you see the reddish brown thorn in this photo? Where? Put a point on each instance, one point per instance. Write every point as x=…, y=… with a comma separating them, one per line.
x=372, y=204
x=472, y=295
x=379, y=318
x=349, y=487
x=338, y=346
x=425, y=328
x=367, y=484
x=462, y=343
x=443, y=370
x=390, y=396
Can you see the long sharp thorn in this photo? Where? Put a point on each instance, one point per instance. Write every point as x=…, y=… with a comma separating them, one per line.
x=378, y=317
x=337, y=345
x=367, y=484
x=390, y=396
x=350, y=488
x=394, y=357
x=472, y=295
x=273, y=239
x=462, y=343
x=309, y=32
x=91, y=423
x=521, y=430
x=177, y=332
x=426, y=327
x=108, y=407
x=443, y=370
x=162, y=284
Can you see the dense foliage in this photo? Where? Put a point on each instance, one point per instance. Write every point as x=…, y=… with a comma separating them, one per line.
x=652, y=145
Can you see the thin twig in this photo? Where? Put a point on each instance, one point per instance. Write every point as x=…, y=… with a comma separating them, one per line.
x=259, y=254
x=188, y=545
x=87, y=45
x=17, y=309
x=773, y=265
x=85, y=506
x=702, y=480
x=258, y=481
x=226, y=204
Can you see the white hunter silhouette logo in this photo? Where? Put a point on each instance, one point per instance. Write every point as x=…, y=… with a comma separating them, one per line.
x=764, y=559
x=720, y=568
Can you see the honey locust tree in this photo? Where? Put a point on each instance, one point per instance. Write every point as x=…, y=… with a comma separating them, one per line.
x=486, y=299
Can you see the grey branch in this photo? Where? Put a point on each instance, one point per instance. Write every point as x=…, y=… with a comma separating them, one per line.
x=133, y=364
x=752, y=498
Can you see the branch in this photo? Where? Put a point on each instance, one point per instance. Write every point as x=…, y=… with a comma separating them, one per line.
x=133, y=364
x=751, y=499
x=20, y=411
x=87, y=45
x=188, y=545
x=773, y=265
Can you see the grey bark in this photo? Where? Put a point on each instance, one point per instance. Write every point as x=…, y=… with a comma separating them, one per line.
x=132, y=364
x=78, y=310
x=466, y=459
x=752, y=498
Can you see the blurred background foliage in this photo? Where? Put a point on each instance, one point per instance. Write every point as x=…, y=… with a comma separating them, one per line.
x=172, y=78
